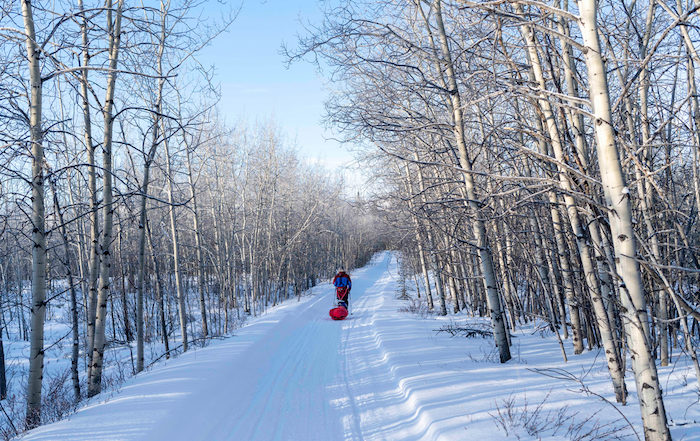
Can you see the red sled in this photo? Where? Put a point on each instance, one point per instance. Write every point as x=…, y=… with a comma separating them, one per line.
x=338, y=313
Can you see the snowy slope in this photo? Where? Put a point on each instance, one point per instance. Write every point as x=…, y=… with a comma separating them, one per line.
x=294, y=374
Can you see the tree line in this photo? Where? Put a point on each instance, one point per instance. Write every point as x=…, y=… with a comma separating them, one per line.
x=540, y=159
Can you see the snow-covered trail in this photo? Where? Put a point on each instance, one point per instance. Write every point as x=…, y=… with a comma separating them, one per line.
x=293, y=374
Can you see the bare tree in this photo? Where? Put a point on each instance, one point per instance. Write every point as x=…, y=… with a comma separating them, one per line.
x=36, y=352
x=114, y=39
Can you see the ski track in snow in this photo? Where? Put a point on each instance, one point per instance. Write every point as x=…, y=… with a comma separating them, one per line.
x=294, y=374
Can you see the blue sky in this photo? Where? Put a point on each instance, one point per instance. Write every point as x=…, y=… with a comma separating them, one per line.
x=256, y=85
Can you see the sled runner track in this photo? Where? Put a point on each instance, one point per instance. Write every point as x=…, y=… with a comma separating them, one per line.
x=354, y=431
x=281, y=374
x=281, y=382
x=383, y=405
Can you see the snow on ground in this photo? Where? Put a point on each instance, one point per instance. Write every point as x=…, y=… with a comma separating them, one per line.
x=57, y=387
x=382, y=374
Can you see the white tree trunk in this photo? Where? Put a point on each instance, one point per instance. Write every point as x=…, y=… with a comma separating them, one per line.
x=507, y=294
x=198, y=245
x=93, y=262
x=95, y=373
x=485, y=257
x=620, y=218
x=143, y=217
x=418, y=238
x=38, y=309
x=432, y=250
x=176, y=254
x=612, y=355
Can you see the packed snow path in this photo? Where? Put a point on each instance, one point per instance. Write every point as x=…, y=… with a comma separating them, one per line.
x=293, y=374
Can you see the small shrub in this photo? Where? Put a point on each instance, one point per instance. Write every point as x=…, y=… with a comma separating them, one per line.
x=13, y=410
x=58, y=399
x=482, y=330
x=528, y=423
x=416, y=306
x=488, y=355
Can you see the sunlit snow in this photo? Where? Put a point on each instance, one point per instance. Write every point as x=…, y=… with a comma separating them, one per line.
x=382, y=374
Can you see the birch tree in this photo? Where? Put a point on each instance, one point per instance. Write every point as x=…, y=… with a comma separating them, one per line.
x=624, y=240
x=36, y=351
x=114, y=39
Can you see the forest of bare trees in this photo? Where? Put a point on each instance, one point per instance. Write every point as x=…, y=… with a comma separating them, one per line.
x=129, y=209
x=540, y=159
x=533, y=160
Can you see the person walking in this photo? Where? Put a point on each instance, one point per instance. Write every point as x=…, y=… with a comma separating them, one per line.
x=343, y=285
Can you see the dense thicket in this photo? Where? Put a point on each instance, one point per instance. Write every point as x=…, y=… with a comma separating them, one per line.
x=541, y=158
x=126, y=204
